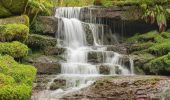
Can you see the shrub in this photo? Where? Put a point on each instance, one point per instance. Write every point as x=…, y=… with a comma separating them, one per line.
x=15, y=79
x=14, y=49
x=10, y=32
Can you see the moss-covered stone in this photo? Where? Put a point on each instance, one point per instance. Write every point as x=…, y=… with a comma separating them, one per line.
x=160, y=65
x=15, y=79
x=160, y=49
x=24, y=19
x=14, y=49
x=12, y=32
x=39, y=42
x=12, y=7
x=152, y=36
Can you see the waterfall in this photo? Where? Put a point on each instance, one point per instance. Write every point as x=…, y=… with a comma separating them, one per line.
x=77, y=70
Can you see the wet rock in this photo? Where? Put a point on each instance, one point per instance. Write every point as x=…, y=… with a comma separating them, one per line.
x=95, y=57
x=58, y=83
x=45, y=64
x=48, y=25
x=54, y=51
x=104, y=69
x=47, y=68
x=121, y=87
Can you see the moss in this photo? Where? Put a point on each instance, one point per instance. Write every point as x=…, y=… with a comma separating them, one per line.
x=160, y=65
x=140, y=46
x=165, y=35
x=24, y=19
x=12, y=32
x=15, y=79
x=152, y=36
x=4, y=12
x=35, y=41
x=160, y=49
x=16, y=7
x=14, y=49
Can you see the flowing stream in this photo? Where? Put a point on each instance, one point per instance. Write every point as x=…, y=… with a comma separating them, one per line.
x=78, y=71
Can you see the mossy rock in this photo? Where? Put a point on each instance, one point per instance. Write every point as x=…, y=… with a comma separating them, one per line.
x=24, y=19
x=152, y=36
x=14, y=49
x=160, y=65
x=15, y=79
x=12, y=32
x=160, y=49
x=12, y=7
x=39, y=42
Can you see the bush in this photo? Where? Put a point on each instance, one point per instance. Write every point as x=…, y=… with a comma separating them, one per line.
x=14, y=49
x=10, y=32
x=160, y=65
x=15, y=79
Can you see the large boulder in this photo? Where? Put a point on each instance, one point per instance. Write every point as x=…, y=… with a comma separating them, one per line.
x=12, y=7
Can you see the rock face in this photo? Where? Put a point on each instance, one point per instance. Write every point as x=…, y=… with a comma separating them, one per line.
x=12, y=7
x=125, y=88
x=48, y=25
x=45, y=64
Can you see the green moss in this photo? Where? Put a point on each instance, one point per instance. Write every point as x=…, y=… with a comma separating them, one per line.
x=12, y=32
x=160, y=65
x=152, y=36
x=165, y=35
x=15, y=79
x=15, y=6
x=24, y=19
x=140, y=46
x=160, y=49
x=4, y=12
x=14, y=49
x=35, y=41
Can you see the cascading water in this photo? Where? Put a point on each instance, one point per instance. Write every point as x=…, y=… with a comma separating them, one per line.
x=77, y=70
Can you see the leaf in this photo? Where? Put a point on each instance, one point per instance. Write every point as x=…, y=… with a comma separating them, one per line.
x=168, y=10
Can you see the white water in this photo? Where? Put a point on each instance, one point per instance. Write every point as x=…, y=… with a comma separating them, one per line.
x=77, y=71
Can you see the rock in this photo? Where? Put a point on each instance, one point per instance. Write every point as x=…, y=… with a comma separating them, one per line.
x=47, y=25
x=36, y=41
x=47, y=68
x=41, y=82
x=54, y=51
x=24, y=19
x=104, y=69
x=58, y=83
x=96, y=57
x=121, y=87
x=12, y=7
x=44, y=64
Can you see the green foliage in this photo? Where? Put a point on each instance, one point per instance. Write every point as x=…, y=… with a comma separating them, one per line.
x=39, y=7
x=15, y=79
x=14, y=49
x=73, y=3
x=10, y=32
x=159, y=65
